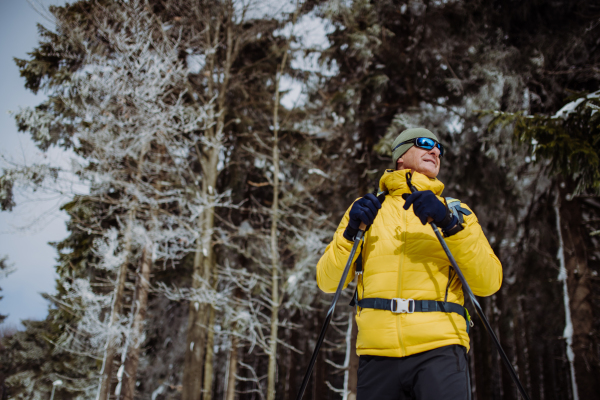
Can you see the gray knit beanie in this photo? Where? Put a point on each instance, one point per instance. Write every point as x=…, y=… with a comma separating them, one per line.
x=409, y=134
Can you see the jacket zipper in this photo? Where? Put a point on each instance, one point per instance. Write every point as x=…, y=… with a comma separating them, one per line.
x=399, y=294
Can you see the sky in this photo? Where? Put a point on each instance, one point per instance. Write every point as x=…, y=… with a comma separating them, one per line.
x=25, y=232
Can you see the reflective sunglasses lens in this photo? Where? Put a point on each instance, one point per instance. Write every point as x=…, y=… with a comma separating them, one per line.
x=425, y=143
x=428, y=144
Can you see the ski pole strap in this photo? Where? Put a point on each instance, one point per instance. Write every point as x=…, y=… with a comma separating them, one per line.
x=409, y=306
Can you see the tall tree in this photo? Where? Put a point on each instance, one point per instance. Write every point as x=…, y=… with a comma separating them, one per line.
x=569, y=141
x=127, y=112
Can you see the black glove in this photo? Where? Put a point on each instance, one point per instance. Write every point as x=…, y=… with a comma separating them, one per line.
x=363, y=210
x=426, y=204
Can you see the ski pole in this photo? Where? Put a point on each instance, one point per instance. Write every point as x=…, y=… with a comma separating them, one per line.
x=313, y=359
x=474, y=302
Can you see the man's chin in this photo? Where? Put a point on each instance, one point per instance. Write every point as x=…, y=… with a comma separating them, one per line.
x=429, y=172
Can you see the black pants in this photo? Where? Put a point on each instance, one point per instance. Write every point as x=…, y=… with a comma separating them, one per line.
x=437, y=374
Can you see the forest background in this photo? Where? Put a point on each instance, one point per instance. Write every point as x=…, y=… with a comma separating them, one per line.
x=219, y=146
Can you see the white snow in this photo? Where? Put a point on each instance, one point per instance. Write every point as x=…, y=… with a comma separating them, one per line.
x=570, y=107
x=160, y=390
x=318, y=172
x=292, y=280
x=195, y=62
x=245, y=228
x=562, y=277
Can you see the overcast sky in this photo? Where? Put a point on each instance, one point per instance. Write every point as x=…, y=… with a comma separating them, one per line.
x=24, y=233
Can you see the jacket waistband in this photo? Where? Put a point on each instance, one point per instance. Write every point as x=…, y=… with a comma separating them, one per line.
x=409, y=306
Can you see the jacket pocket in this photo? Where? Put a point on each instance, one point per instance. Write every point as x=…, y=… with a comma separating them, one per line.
x=460, y=354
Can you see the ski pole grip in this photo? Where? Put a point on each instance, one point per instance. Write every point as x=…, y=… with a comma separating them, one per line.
x=381, y=198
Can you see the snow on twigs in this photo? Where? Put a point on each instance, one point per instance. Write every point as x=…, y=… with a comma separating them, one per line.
x=571, y=106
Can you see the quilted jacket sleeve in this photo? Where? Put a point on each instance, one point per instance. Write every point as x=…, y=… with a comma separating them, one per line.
x=332, y=263
x=475, y=257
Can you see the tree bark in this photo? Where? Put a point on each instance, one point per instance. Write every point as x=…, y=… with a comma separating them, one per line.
x=232, y=370
x=354, y=359
x=137, y=331
x=111, y=345
x=210, y=355
x=572, y=236
x=274, y=244
x=208, y=189
x=296, y=361
x=274, y=281
x=271, y=373
x=486, y=377
x=196, y=337
x=522, y=350
x=199, y=320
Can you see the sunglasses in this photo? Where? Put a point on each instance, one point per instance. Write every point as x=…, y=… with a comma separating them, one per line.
x=424, y=143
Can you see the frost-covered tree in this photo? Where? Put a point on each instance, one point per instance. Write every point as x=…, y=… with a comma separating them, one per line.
x=5, y=269
x=149, y=127
x=269, y=177
x=133, y=124
x=55, y=348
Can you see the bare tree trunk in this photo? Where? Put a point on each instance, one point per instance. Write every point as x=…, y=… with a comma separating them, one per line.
x=137, y=331
x=111, y=345
x=522, y=349
x=196, y=336
x=354, y=359
x=271, y=374
x=575, y=274
x=210, y=355
x=210, y=165
x=199, y=320
x=346, y=365
x=199, y=314
x=209, y=184
x=232, y=370
x=274, y=245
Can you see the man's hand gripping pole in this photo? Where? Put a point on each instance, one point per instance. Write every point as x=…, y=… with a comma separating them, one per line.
x=313, y=359
x=474, y=302
x=370, y=216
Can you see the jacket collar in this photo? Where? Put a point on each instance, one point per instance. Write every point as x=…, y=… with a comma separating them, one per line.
x=395, y=182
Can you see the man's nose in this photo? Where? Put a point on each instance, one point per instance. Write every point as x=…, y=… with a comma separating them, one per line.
x=435, y=151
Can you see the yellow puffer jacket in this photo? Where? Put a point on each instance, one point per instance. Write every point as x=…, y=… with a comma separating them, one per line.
x=403, y=259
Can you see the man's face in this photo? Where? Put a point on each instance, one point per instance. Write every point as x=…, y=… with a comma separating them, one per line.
x=424, y=161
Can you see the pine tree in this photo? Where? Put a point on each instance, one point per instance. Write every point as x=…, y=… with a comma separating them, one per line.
x=128, y=117
x=143, y=184
x=5, y=270
x=569, y=141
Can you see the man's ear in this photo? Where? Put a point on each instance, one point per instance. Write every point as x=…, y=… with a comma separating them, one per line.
x=399, y=164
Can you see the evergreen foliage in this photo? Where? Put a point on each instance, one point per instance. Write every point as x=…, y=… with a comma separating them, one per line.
x=569, y=139
x=5, y=270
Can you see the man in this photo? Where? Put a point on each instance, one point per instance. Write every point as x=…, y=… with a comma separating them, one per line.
x=412, y=328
